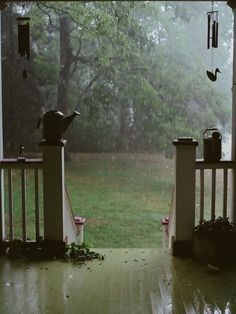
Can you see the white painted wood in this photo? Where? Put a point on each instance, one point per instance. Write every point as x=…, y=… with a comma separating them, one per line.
x=23, y=204
x=10, y=201
x=233, y=211
x=172, y=219
x=1, y=125
x=59, y=224
x=201, y=194
x=213, y=194
x=53, y=190
x=36, y=198
x=224, y=165
x=185, y=175
x=71, y=232
x=225, y=194
x=221, y=164
x=27, y=164
x=2, y=211
x=23, y=166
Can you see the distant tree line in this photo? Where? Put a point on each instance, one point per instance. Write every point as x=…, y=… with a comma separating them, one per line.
x=134, y=70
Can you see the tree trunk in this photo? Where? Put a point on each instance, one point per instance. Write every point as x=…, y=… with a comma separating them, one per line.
x=125, y=130
x=65, y=64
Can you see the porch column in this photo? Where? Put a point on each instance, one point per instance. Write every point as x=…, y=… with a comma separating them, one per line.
x=232, y=4
x=54, y=195
x=2, y=215
x=185, y=175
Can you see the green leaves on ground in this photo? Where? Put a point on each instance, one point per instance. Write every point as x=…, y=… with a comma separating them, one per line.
x=79, y=253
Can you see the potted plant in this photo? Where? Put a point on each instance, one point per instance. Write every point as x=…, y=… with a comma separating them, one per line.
x=214, y=242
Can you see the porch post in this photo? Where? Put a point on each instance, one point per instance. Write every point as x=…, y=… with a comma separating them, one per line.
x=232, y=4
x=185, y=169
x=2, y=214
x=54, y=195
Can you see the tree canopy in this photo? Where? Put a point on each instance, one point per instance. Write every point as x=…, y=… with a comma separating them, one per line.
x=136, y=70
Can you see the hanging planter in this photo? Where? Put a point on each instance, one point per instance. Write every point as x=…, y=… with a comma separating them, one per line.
x=214, y=242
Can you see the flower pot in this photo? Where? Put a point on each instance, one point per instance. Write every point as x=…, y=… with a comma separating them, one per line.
x=215, y=248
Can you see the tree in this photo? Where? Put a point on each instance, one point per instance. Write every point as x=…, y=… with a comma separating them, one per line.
x=119, y=62
x=21, y=98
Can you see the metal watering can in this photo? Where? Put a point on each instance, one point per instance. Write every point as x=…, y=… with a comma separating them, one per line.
x=54, y=126
x=212, y=145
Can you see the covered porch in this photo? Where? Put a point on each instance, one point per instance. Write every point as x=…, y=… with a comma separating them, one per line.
x=127, y=281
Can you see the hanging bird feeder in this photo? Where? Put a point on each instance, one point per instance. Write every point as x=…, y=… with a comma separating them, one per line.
x=23, y=39
x=212, y=39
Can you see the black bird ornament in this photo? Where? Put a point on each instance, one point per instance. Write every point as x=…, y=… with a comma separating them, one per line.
x=212, y=76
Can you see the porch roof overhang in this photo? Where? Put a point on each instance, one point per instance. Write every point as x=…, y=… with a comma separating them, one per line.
x=231, y=3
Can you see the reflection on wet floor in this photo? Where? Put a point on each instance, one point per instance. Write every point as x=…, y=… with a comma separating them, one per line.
x=127, y=281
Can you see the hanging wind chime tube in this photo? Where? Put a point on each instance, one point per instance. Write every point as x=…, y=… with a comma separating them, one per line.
x=23, y=39
x=212, y=29
x=208, y=30
x=212, y=39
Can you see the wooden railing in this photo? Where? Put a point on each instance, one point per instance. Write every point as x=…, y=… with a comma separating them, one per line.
x=52, y=225
x=9, y=167
x=223, y=165
x=186, y=175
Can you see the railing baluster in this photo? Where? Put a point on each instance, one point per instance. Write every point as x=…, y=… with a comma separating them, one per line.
x=10, y=165
x=2, y=209
x=225, y=165
x=36, y=193
x=213, y=194
x=23, y=200
x=201, y=195
x=10, y=200
x=225, y=188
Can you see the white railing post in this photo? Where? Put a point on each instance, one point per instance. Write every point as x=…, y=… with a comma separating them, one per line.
x=232, y=4
x=2, y=213
x=185, y=175
x=54, y=195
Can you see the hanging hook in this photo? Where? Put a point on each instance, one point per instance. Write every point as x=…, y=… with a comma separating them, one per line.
x=212, y=5
x=23, y=8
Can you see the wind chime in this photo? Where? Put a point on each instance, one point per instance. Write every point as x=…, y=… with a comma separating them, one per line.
x=212, y=39
x=23, y=40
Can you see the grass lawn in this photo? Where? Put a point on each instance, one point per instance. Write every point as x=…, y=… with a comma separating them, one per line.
x=17, y=203
x=123, y=197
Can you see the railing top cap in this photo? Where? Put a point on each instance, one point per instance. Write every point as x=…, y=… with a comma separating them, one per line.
x=185, y=141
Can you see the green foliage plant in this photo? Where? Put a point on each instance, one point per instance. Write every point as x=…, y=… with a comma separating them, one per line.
x=213, y=242
x=217, y=226
x=80, y=253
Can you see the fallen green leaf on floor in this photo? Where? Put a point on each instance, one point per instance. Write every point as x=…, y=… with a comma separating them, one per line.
x=79, y=253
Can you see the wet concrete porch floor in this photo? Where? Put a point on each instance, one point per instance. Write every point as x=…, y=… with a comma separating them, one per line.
x=127, y=281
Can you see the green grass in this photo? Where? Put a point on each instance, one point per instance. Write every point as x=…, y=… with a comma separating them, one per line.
x=123, y=197
x=17, y=203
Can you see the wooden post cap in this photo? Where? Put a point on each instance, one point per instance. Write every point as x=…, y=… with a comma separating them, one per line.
x=185, y=141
